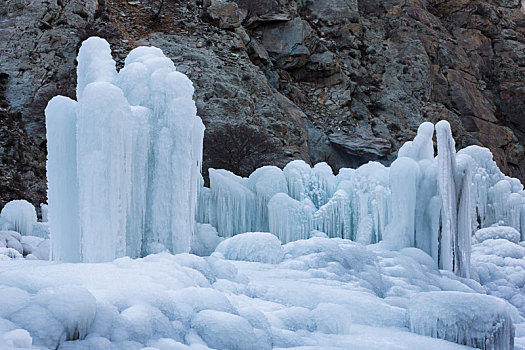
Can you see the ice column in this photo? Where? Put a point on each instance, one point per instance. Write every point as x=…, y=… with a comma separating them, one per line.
x=132, y=182
x=463, y=245
x=447, y=185
x=104, y=170
x=62, y=184
x=403, y=183
x=455, y=181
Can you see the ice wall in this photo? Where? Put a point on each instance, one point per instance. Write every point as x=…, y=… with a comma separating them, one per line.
x=434, y=203
x=124, y=160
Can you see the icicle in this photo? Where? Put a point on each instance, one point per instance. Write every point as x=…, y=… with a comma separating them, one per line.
x=236, y=204
x=333, y=218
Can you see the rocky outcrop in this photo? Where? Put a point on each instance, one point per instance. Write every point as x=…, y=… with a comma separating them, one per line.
x=342, y=81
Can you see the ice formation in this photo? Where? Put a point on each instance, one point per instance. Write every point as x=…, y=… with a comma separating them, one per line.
x=430, y=201
x=449, y=316
x=20, y=216
x=124, y=160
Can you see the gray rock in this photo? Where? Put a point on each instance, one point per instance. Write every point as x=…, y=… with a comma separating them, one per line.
x=289, y=44
x=226, y=13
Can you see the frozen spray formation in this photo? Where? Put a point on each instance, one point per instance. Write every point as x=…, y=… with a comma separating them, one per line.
x=124, y=160
x=434, y=202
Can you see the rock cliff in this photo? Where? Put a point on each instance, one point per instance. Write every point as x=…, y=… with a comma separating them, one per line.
x=341, y=81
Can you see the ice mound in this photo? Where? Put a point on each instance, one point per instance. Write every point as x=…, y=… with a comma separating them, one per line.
x=11, y=239
x=21, y=215
x=332, y=318
x=221, y=330
x=53, y=315
x=476, y=320
x=204, y=240
x=252, y=246
x=16, y=339
x=497, y=232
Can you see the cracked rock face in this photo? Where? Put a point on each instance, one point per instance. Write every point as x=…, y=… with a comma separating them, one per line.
x=342, y=81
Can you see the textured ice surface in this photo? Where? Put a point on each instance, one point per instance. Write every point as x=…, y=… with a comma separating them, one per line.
x=476, y=320
x=323, y=294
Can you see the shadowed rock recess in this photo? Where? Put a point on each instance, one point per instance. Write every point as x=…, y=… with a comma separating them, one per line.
x=341, y=81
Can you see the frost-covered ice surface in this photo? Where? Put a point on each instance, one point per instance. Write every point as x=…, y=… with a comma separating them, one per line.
x=319, y=293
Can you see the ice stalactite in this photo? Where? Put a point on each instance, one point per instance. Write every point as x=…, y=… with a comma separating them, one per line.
x=463, y=244
x=455, y=182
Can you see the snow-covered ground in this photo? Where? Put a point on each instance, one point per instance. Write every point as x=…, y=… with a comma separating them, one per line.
x=318, y=293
